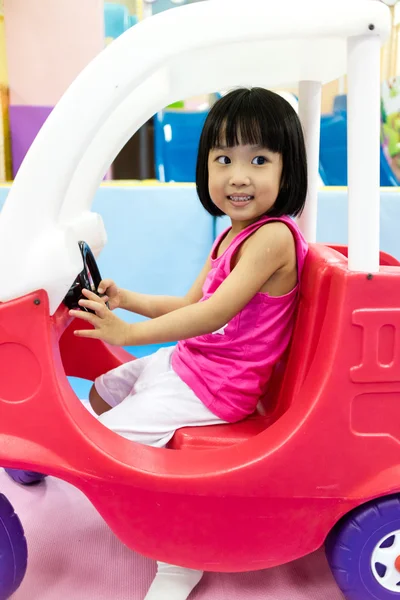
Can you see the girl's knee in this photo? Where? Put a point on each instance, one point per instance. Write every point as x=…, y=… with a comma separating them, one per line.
x=99, y=405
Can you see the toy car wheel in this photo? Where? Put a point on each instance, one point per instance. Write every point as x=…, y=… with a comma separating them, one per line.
x=363, y=551
x=25, y=477
x=13, y=550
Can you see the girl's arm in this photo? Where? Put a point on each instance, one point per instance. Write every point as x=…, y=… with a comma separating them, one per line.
x=152, y=306
x=268, y=250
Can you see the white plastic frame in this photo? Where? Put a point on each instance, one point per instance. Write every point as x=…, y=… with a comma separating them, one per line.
x=189, y=50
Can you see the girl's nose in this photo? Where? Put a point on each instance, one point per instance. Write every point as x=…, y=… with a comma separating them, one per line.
x=239, y=178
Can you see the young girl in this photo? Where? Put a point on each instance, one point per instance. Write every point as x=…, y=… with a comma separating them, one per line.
x=236, y=321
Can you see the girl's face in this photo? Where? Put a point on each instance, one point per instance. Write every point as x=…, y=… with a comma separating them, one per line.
x=244, y=181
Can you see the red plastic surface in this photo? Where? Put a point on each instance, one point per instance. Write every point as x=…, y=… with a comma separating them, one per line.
x=329, y=442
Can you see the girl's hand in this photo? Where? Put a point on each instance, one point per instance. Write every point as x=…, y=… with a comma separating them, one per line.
x=111, y=293
x=107, y=326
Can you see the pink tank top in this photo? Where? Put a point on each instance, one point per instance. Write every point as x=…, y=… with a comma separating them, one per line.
x=229, y=369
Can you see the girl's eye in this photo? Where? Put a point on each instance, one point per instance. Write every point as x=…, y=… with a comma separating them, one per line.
x=223, y=160
x=259, y=160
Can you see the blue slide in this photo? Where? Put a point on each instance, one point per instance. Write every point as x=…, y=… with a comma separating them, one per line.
x=333, y=152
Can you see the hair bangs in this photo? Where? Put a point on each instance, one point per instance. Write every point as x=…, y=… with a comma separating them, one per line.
x=245, y=121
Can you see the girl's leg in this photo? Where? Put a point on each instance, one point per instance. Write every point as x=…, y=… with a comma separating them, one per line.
x=113, y=387
x=173, y=583
x=96, y=402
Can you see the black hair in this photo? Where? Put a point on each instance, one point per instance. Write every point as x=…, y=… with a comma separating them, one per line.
x=258, y=117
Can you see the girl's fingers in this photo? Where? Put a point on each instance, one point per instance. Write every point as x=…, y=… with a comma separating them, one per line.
x=98, y=307
x=90, y=295
x=89, y=333
x=104, y=284
x=85, y=316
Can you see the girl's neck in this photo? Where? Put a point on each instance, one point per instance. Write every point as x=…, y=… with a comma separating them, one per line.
x=238, y=226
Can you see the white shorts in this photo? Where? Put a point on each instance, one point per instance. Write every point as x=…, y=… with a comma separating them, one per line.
x=149, y=401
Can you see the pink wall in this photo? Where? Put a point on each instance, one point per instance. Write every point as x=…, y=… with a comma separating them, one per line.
x=48, y=44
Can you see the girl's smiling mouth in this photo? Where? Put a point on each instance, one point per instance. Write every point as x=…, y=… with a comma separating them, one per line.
x=240, y=199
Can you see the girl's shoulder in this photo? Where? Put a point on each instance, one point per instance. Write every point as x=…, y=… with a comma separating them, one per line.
x=271, y=236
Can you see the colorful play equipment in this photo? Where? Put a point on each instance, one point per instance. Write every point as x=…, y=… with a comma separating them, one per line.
x=319, y=461
x=177, y=135
x=333, y=148
x=5, y=149
x=333, y=152
x=176, y=139
x=145, y=7
x=117, y=19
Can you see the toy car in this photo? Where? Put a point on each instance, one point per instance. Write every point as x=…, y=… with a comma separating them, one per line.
x=320, y=459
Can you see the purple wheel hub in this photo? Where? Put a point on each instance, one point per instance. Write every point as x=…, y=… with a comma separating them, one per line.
x=13, y=550
x=363, y=551
x=25, y=477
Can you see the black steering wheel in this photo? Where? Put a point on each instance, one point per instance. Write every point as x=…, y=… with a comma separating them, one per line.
x=89, y=278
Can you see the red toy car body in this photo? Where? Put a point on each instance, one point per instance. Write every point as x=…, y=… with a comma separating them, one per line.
x=234, y=497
